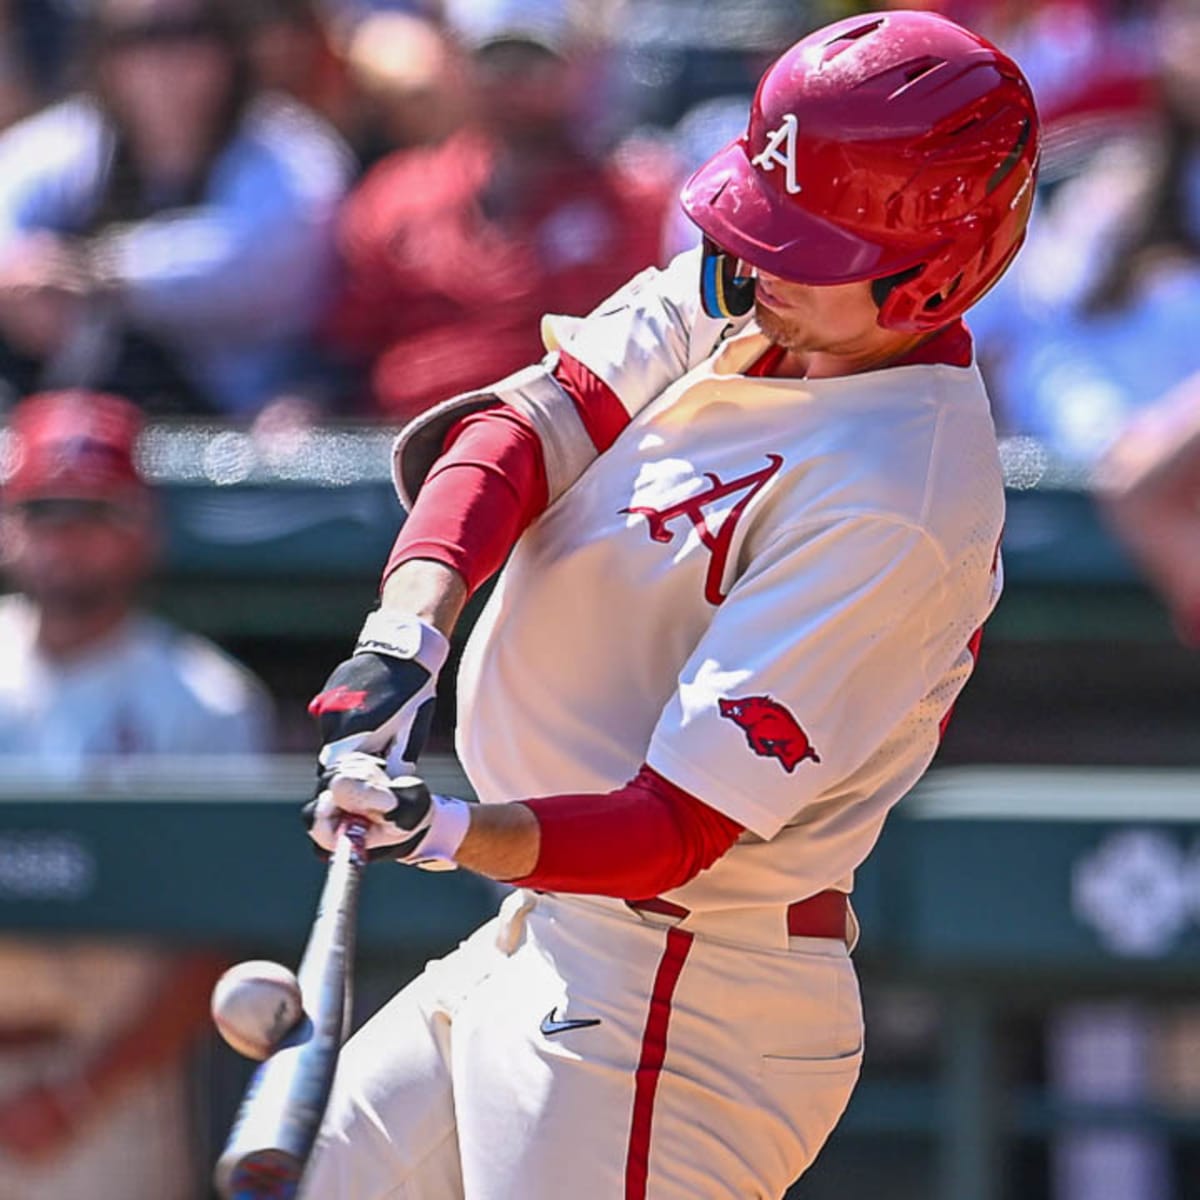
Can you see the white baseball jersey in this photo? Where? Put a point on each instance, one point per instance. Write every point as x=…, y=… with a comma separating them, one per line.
x=766, y=588
x=146, y=689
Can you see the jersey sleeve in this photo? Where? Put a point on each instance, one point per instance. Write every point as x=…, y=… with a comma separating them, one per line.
x=645, y=336
x=633, y=346
x=820, y=651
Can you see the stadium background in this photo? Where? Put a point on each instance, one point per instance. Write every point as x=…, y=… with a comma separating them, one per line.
x=1031, y=947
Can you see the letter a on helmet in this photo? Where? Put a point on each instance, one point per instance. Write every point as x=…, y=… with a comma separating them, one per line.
x=780, y=151
x=891, y=144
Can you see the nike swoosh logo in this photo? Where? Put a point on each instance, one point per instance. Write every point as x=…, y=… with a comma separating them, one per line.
x=550, y=1025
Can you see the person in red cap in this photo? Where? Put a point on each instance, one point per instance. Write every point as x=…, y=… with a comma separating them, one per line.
x=753, y=504
x=93, y=1035
x=83, y=675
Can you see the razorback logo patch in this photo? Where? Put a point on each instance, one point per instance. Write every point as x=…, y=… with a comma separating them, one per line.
x=771, y=730
x=717, y=540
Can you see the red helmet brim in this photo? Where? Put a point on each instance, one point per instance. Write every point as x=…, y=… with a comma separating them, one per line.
x=743, y=212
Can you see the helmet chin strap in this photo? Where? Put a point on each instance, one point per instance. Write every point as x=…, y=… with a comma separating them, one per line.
x=724, y=294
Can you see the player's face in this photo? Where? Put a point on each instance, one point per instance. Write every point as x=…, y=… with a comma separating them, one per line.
x=76, y=555
x=832, y=319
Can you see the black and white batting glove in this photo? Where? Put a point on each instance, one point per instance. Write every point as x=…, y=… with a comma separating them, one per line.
x=380, y=701
x=405, y=821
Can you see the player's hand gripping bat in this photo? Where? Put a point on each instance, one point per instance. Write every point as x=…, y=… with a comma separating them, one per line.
x=277, y=1123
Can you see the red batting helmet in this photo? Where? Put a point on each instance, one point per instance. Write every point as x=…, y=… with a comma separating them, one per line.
x=893, y=145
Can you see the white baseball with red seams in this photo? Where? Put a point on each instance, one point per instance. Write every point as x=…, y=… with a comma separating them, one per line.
x=255, y=1004
x=766, y=589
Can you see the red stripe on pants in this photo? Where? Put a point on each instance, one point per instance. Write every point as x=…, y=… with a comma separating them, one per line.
x=654, y=1050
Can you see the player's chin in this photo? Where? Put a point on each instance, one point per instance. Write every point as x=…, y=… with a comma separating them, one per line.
x=768, y=319
x=779, y=329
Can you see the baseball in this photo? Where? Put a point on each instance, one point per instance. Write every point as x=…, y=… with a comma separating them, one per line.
x=255, y=1004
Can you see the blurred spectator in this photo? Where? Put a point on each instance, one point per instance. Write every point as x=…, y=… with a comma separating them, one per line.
x=1099, y=316
x=42, y=34
x=292, y=51
x=352, y=10
x=1149, y=487
x=94, y=1036
x=17, y=95
x=410, y=82
x=165, y=233
x=452, y=254
x=83, y=675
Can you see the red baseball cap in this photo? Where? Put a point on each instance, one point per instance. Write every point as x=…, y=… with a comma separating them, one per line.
x=74, y=445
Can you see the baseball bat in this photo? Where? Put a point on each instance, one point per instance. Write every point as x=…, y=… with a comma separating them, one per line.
x=273, y=1134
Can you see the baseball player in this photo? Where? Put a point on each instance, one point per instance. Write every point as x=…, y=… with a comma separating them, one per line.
x=753, y=503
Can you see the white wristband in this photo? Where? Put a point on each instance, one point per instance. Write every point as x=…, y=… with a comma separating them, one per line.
x=449, y=820
x=404, y=637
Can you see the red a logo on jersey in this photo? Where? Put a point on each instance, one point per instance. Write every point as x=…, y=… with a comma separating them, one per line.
x=716, y=541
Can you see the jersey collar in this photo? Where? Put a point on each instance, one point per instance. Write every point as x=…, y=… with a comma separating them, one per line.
x=950, y=346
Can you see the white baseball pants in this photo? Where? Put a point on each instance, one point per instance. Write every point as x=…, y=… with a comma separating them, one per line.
x=708, y=1069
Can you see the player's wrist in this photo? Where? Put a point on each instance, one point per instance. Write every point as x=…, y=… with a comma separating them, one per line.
x=429, y=589
x=404, y=636
x=449, y=822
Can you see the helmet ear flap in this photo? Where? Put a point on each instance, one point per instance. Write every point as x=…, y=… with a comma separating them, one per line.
x=883, y=287
x=912, y=308
x=903, y=307
x=724, y=293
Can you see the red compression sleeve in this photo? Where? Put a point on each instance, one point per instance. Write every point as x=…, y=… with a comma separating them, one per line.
x=489, y=485
x=484, y=491
x=646, y=838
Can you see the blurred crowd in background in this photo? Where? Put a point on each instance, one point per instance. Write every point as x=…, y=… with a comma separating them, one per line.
x=268, y=214
x=293, y=210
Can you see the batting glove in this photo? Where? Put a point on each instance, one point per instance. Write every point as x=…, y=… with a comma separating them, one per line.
x=380, y=701
x=404, y=820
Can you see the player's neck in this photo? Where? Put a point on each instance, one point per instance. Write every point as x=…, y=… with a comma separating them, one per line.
x=831, y=364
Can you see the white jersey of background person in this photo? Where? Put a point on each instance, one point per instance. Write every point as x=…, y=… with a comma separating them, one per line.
x=147, y=689
x=848, y=555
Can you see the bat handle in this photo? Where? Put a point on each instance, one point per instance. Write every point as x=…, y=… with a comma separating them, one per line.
x=354, y=828
x=354, y=831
